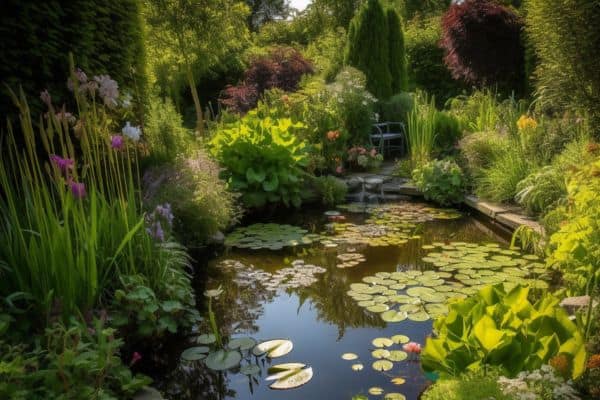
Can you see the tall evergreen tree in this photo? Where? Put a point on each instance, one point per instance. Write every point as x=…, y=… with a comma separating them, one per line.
x=396, y=55
x=368, y=48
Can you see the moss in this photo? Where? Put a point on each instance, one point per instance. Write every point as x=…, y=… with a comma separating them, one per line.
x=465, y=388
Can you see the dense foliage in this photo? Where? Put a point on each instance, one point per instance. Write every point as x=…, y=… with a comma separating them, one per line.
x=482, y=43
x=496, y=327
x=105, y=37
x=397, y=57
x=440, y=181
x=566, y=40
x=263, y=160
x=368, y=48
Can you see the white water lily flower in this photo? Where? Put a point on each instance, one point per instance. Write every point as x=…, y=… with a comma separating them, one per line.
x=132, y=132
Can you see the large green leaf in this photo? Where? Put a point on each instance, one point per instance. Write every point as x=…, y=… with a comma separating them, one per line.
x=255, y=176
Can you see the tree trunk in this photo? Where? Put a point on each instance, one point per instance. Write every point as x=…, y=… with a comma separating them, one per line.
x=197, y=105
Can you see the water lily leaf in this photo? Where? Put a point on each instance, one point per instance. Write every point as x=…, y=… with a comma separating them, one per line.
x=357, y=367
x=207, y=338
x=380, y=353
x=419, y=316
x=376, y=391
x=273, y=348
x=382, y=342
x=222, y=360
x=400, y=339
x=251, y=369
x=382, y=365
x=245, y=343
x=394, y=396
x=294, y=379
x=397, y=355
x=349, y=356
x=398, y=381
x=280, y=370
x=394, y=316
x=378, y=308
x=195, y=353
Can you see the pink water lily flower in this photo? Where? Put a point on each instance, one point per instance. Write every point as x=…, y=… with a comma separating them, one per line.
x=412, y=347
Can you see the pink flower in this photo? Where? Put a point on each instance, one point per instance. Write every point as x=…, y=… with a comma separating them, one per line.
x=373, y=152
x=116, y=142
x=77, y=189
x=339, y=170
x=63, y=164
x=412, y=347
x=362, y=150
x=135, y=358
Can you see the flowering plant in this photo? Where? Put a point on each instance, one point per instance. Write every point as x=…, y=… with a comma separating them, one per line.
x=362, y=158
x=541, y=383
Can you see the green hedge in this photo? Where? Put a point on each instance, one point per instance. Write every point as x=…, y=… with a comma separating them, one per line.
x=105, y=37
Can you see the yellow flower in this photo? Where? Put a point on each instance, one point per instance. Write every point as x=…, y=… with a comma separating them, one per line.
x=526, y=122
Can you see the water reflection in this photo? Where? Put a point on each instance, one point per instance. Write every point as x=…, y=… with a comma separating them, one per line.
x=321, y=319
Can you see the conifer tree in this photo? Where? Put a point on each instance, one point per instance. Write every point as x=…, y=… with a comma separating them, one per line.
x=397, y=55
x=368, y=48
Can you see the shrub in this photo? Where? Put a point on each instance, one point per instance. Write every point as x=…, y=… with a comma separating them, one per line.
x=541, y=190
x=75, y=357
x=447, y=131
x=364, y=159
x=482, y=44
x=331, y=190
x=413, y=8
x=263, y=160
x=164, y=132
x=499, y=328
x=481, y=149
x=353, y=105
x=396, y=108
x=440, y=181
x=567, y=73
x=282, y=68
x=425, y=61
x=200, y=201
x=468, y=386
x=397, y=57
x=368, y=48
x=498, y=181
x=327, y=53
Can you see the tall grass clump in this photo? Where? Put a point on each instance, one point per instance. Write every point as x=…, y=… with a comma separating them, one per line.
x=499, y=181
x=70, y=215
x=421, y=129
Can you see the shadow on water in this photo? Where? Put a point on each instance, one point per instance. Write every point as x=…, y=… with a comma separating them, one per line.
x=321, y=320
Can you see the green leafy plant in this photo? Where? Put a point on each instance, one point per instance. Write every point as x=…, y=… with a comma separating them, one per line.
x=140, y=312
x=421, y=133
x=441, y=181
x=498, y=181
x=331, y=190
x=263, y=159
x=468, y=386
x=496, y=327
x=541, y=190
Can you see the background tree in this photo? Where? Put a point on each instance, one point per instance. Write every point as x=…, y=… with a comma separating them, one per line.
x=188, y=32
x=367, y=48
x=397, y=57
x=566, y=39
x=263, y=11
x=482, y=44
x=105, y=38
x=342, y=10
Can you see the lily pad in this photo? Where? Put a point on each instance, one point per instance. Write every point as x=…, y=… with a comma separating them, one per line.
x=397, y=355
x=357, y=367
x=376, y=391
x=207, y=338
x=394, y=316
x=394, y=396
x=382, y=365
x=222, y=360
x=273, y=348
x=243, y=344
x=380, y=353
x=251, y=369
x=293, y=379
x=195, y=353
x=400, y=339
x=382, y=342
x=349, y=356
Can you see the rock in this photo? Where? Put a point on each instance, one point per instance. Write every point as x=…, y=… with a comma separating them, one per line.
x=217, y=238
x=573, y=304
x=147, y=393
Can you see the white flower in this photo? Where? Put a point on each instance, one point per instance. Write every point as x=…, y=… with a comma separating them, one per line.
x=132, y=132
x=109, y=89
x=126, y=101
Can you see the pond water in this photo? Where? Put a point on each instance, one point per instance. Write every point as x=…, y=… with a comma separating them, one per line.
x=316, y=312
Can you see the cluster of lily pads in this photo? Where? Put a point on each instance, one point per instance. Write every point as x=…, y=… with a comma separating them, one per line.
x=350, y=259
x=239, y=353
x=385, y=356
x=298, y=274
x=270, y=236
x=462, y=269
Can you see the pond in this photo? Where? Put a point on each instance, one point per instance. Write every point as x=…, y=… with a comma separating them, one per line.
x=300, y=293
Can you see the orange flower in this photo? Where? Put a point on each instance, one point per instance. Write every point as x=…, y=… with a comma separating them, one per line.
x=333, y=135
x=560, y=363
x=594, y=361
x=526, y=122
x=593, y=148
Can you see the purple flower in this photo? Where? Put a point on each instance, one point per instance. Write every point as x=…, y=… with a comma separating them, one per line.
x=77, y=189
x=66, y=116
x=46, y=98
x=117, y=142
x=165, y=212
x=63, y=164
x=109, y=89
x=156, y=231
x=81, y=77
